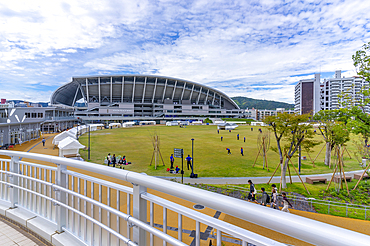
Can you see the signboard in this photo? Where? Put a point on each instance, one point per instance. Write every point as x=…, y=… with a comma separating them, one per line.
x=178, y=153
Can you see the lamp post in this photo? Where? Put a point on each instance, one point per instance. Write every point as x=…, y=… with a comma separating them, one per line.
x=192, y=158
x=88, y=156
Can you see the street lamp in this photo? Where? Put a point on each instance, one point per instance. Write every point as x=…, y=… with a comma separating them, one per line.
x=88, y=156
x=192, y=158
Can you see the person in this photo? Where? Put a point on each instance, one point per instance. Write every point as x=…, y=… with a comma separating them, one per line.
x=109, y=159
x=43, y=141
x=252, y=192
x=188, y=159
x=265, y=197
x=172, y=160
x=229, y=130
x=177, y=169
x=285, y=203
x=274, y=196
x=251, y=129
x=114, y=160
x=242, y=151
x=222, y=138
x=218, y=131
x=244, y=139
x=237, y=137
x=228, y=151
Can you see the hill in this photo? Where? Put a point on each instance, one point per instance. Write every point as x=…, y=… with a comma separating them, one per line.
x=246, y=102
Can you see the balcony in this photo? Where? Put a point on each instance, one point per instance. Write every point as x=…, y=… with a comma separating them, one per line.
x=49, y=194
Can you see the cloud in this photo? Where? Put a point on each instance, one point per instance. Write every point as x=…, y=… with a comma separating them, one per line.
x=246, y=48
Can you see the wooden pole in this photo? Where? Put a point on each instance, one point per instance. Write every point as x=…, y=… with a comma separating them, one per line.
x=257, y=156
x=319, y=152
x=344, y=175
x=363, y=174
x=332, y=177
x=313, y=163
x=299, y=176
x=290, y=176
x=350, y=157
x=275, y=172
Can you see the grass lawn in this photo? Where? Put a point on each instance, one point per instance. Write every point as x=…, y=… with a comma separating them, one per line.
x=210, y=155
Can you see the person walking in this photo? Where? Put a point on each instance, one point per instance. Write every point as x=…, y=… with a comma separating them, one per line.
x=228, y=151
x=188, y=159
x=172, y=161
x=285, y=203
x=237, y=137
x=244, y=139
x=114, y=160
x=109, y=159
x=43, y=141
x=265, y=197
x=252, y=192
x=274, y=196
x=222, y=138
x=218, y=131
x=242, y=151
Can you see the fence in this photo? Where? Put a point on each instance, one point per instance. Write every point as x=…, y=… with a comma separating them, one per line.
x=99, y=212
x=309, y=204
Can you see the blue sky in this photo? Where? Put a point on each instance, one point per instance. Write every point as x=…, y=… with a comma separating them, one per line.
x=258, y=49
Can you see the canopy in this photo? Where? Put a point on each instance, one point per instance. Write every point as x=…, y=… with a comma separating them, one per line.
x=114, y=125
x=128, y=124
x=69, y=146
x=62, y=136
x=95, y=127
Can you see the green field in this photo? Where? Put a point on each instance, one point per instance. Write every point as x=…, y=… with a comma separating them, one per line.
x=210, y=155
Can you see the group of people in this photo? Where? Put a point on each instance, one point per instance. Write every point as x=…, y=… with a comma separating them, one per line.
x=266, y=199
x=177, y=169
x=113, y=160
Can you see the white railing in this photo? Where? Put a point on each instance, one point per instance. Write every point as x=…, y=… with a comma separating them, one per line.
x=99, y=212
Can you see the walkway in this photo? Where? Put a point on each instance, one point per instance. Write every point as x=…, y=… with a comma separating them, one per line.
x=13, y=235
x=188, y=226
x=244, y=180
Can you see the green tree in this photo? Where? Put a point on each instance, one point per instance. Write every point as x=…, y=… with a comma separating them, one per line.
x=333, y=129
x=290, y=131
x=361, y=60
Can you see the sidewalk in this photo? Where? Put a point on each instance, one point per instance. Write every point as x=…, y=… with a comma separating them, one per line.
x=244, y=180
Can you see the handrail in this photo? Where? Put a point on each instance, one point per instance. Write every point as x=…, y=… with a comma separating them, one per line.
x=304, y=229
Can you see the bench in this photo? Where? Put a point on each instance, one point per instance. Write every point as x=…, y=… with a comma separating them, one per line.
x=72, y=155
x=311, y=180
x=337, y=179
x=358, y=176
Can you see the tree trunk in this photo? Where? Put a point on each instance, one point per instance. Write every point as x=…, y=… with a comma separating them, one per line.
x=283, y=173
x=328, y=154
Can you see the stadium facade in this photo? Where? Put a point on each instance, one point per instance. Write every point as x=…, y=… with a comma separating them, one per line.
x=121, y=97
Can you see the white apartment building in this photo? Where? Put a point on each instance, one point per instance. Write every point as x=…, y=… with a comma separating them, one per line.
x=312, y=95
x=257, y=114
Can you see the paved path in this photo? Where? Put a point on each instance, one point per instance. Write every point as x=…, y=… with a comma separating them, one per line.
x=12, y=235
x=244, y=180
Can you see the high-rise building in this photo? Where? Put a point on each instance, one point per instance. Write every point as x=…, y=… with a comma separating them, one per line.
x=307, y=96
x=311, y=95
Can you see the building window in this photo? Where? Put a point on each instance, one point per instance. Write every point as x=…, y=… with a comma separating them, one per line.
x=33, y=115
x=40, y=115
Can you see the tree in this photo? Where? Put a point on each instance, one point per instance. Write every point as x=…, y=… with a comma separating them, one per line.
x=361, y=60
x=290, y=131
x=332, y=129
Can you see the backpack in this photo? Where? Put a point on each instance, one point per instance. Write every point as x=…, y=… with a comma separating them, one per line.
x=268, y=198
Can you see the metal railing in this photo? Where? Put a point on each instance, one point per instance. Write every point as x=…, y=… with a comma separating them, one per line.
x=99, y=212
x=304, y=203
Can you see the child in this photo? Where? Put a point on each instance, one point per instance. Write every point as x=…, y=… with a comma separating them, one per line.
x=285, y=203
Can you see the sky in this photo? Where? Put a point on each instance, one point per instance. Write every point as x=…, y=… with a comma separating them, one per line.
x=257, y=48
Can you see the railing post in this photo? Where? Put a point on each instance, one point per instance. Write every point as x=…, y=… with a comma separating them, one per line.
x=14, y=168
x=139, y=212
x=61, y=197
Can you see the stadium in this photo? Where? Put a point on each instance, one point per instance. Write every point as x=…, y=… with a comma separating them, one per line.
x=143, y=96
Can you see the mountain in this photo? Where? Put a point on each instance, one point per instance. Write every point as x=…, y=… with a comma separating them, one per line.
x=246, y=102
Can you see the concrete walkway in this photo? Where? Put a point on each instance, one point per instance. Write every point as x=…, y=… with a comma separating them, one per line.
x=244, y=180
